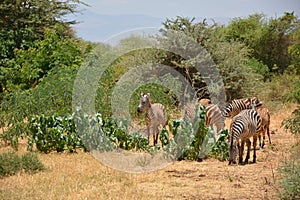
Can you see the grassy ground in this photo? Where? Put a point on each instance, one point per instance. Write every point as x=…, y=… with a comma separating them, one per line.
x=81, y=176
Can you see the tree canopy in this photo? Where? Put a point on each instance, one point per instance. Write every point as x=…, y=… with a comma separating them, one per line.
x=22, y=24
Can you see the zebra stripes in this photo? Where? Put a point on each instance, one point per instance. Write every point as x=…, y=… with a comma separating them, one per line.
x=189, y=111
x=155, y=116
x=244, y=125
x=237, y=105
x=214, y=117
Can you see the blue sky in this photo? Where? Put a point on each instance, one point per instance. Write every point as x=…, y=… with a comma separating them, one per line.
x=105, y=18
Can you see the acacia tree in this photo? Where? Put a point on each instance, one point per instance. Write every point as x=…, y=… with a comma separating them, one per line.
x=35, y=14
x=230, y=56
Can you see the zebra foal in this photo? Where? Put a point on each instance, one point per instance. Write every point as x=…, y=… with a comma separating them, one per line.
x=243, y=126
x=155, y=116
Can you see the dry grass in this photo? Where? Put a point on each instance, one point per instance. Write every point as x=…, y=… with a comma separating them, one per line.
x=81, y=176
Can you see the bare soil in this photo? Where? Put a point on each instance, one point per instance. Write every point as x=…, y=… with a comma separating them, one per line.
x=81, y=176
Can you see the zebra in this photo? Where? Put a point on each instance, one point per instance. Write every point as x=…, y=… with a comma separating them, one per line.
x=214, y=116
x=265, y=124
x=237, y=105
x=189, y=111
x=155, y=116
x=243, y=126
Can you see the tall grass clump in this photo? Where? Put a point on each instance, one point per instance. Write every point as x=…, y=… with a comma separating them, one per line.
x=11, y=163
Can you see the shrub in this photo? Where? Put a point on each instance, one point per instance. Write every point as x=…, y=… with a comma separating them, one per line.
x=53, y=132
x=105, y=134
x=293, y=123
x=291, y=180
x=10, y=164
x=31, y=163
x=220, y=148
x=91, y=132
x=189, y=139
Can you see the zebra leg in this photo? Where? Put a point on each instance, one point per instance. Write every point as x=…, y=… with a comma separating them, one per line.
x=264, y=137
x=248, y=142
x=154, y=139
x=241, y=151
x=268, y=132
x=148, y=132
x=155, y=135
x=254, y=150
x=259, y=138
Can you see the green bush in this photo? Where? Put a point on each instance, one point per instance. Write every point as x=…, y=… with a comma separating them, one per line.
x=53, y=132
x=259, y=68
x=10, y=164
x=91, y=132
x=190, y=139
x=293, y=123
x=118, y=134
x=293, y=95
x=291, y=180
x=31, y=163
x=220, y=148
x=40, y=81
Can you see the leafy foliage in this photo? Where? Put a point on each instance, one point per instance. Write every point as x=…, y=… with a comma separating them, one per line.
x=50, y=133
x=50, y=67
x=18, y=14
x=54, y=51
x=91, y=132
x=291, y=181
x=188, y=137
x=220, y=148
x=23, y=22
x=118, y=133
x=268, y=39
x=230, y=56
x=53, y=95
x=293, y=123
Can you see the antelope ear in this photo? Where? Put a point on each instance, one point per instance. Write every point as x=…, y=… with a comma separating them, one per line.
x=142, y=94
x=148, y=94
